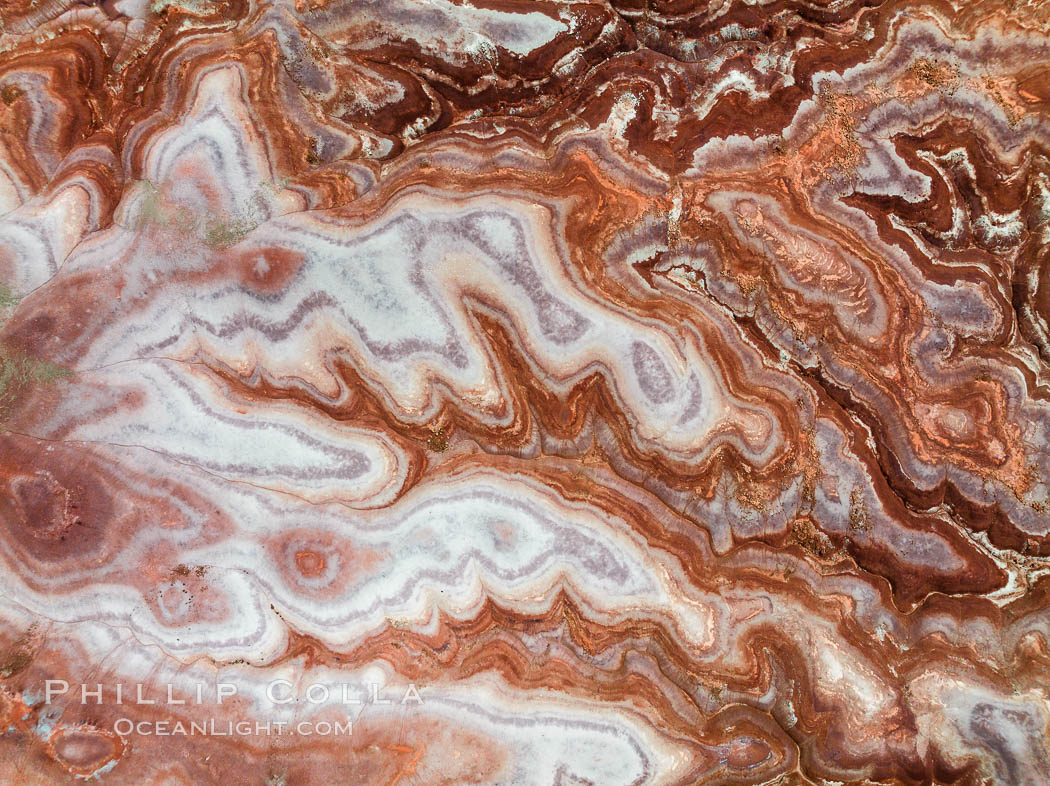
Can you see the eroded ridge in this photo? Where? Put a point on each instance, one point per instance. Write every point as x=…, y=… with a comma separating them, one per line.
x=610, y=393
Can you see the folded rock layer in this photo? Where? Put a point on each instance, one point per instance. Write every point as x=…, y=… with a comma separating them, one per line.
x=525, y=392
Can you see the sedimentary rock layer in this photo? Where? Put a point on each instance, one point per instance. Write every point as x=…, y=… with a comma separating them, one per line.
x=519, y=392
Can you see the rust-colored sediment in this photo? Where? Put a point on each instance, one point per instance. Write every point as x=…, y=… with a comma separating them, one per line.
x=631, y=393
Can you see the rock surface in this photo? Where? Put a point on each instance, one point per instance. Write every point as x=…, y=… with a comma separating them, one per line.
x=519, y=392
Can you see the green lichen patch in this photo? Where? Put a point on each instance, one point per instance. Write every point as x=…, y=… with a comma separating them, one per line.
x=223, y=233
x=19, y=372
x=8, y=298
x=154, y=208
